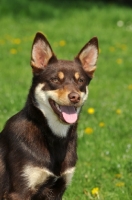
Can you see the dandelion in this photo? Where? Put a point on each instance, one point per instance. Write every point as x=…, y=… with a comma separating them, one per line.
x=118, y=176
x=16, y=41
x=95, y=192
x=88, y=130
x=120, y=184
x=130, y=87
x=120, y=23
x=101, y=124
x=91, y=111
x=62, y=43
x=100, y=50
x=119, y=61
x=118, y=111
x=13, y=51
x=112, y=49
x=123, y=47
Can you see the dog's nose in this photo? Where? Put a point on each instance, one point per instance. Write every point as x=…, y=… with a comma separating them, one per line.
x=74, y=97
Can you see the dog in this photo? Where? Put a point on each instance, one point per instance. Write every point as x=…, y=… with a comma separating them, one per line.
x=38, y=144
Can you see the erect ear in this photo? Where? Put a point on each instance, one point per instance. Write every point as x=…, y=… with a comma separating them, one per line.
x=88, y=56
x=41, y=53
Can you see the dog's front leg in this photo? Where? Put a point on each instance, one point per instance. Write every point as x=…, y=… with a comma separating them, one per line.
x=58, y=189
x=52, y=191
x=51, y=195
x=16, y=196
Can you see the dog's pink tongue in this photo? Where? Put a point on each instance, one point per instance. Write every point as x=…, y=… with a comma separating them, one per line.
x=69, y=114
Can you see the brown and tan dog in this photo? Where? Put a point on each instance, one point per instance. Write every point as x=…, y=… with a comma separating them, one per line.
x=38, y=144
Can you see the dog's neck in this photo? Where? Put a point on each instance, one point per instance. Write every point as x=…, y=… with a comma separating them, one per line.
x=58, y=128
x=42, y=116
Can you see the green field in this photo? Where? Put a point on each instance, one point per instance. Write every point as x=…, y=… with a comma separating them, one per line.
x=104, y=168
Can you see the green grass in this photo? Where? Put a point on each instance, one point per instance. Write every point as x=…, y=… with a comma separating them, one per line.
x=105, y=159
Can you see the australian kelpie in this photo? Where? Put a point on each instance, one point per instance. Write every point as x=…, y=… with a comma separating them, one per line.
x=38, y=144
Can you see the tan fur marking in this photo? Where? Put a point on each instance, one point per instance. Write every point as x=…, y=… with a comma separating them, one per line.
x=61, y=75
x=60, y=96
x=68, y=174
x=35, y=176
x=77, y=75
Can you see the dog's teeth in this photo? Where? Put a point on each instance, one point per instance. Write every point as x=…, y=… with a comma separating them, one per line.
x=57, y=106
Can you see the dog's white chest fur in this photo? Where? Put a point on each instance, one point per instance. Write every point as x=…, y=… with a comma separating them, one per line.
x=36, y=176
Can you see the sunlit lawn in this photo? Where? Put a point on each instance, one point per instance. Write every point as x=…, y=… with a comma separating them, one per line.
x=104, y=169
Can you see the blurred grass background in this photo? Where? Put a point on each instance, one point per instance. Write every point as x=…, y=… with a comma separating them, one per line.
x=104, y=169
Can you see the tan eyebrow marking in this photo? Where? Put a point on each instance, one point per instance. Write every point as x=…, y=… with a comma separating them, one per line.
x=77, y=75
x=61, y=75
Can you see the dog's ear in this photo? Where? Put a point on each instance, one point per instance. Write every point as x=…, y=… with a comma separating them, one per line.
x=88, y=56
x=41, y=53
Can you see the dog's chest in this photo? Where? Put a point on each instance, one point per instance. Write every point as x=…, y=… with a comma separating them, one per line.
x=36, y=176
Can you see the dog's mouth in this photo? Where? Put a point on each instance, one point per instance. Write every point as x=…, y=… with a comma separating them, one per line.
x=67, y=114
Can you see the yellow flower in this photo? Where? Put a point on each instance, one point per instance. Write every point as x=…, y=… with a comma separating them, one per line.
x=123, y=47
x=101, y=124
x=118, y=111
x=120, y=184
x=88, y=130
x=91, y=111
x=119, y=61
x=13, y=51
x=95, y=191
x=16, y=41
x=62, y=43
x=118, y=176
x=130, y=87
x=100, y=50
x=112, y=49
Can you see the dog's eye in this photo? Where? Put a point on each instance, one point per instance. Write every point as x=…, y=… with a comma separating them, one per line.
x=55, y=80
x=80, y=80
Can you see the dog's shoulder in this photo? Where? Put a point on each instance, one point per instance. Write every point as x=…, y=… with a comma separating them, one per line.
x=18, y=128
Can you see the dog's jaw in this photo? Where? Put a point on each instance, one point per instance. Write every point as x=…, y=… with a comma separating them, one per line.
x=55, y=125
x=58, y=127
x=67, y=114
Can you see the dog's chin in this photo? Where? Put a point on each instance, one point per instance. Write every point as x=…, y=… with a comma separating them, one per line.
x=66, y=114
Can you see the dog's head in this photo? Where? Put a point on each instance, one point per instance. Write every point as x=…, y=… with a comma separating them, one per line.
x=61, y=86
